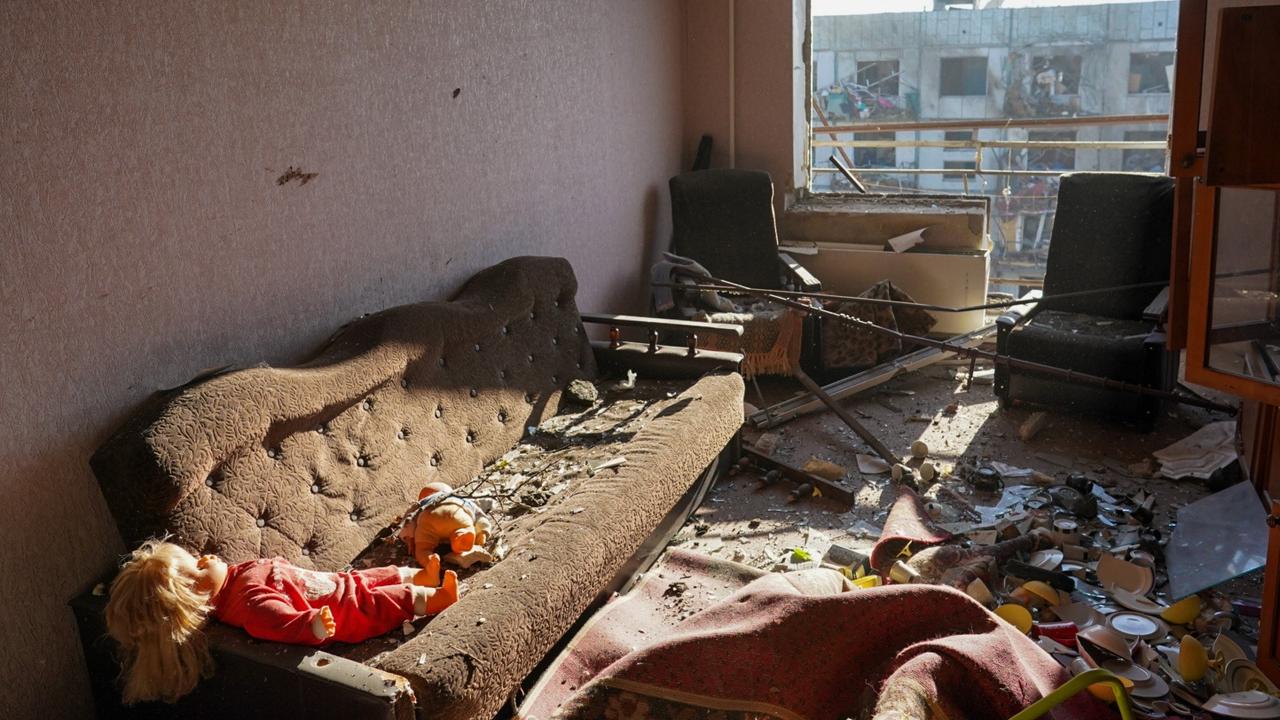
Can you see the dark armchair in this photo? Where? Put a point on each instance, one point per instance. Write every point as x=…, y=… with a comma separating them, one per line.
x=723, y=220
x=1111, y=229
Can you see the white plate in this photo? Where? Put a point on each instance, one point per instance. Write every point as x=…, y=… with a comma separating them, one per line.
x=1137, y=625
x=1046, y=559
x=1155, y=687
x=1228, y=649
x=1247, y=704
x=1240, y=675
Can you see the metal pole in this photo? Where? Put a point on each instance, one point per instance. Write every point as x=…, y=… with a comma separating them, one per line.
x=1070, y=376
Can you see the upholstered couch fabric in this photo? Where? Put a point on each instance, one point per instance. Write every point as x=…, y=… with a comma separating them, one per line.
x=460, y=668
x=312, y=462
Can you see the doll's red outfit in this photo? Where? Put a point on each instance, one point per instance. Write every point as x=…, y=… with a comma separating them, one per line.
x=274, y=600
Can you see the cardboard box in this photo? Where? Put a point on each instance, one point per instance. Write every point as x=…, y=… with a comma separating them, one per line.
x=844, y=241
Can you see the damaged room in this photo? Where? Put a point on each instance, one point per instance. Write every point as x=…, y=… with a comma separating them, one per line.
x=561, y=360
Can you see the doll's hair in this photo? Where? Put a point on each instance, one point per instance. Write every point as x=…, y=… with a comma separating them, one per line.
x=156, y=615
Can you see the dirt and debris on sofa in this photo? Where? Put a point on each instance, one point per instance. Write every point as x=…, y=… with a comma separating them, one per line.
x=539, y=474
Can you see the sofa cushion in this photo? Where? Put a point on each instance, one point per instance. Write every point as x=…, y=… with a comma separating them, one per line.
x=310, y=462
x=469, y=658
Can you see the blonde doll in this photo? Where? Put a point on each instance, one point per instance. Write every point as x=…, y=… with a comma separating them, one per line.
x=163, y=596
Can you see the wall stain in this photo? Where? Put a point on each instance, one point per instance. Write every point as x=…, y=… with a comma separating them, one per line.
x=457, y=92
x=294, y=173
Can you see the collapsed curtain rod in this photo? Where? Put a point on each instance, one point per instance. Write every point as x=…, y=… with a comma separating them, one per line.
x=906, y=303
x=974, y=353
x=723, y=286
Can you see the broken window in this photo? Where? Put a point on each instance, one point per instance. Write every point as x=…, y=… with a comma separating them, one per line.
x=956, y=165
x=1035, y=231
x=964, y=76
x=1143, y=160
x=1055, y=74
x=879, y=77
x=874, y=157
x=1149, y=72
x=1051, y=158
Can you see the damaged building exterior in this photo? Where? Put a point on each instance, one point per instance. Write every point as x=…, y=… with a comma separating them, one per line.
x=995, y=64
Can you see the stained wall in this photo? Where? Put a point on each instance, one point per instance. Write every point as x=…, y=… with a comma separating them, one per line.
x=191, y=184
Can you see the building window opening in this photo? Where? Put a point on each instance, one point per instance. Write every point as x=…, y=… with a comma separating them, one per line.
x=879, y=77
x=1151, y=161
x=1150, y=72
x=956, y=165
x=1051, y=158
x=1055, y=75
x=874, y=157
x=964, y=76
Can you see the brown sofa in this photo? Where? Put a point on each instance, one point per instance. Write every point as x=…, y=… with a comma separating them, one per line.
x=315, y=462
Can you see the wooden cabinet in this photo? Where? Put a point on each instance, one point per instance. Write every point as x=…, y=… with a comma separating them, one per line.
x=1225, y=291
x=1225, y=152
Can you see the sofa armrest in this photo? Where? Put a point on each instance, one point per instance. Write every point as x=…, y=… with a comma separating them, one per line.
x=1018, y=314
x=1157, y=310
x=798, y=275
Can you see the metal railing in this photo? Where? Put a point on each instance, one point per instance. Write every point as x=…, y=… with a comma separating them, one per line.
x=822, y=127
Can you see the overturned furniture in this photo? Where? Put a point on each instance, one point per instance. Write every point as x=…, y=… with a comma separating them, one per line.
x=315, y=463
x=1112, y=230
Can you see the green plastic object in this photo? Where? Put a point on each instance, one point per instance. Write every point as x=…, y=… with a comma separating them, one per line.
x=1075, y=685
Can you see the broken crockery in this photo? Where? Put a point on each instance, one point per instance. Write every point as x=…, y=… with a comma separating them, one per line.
x=1183, y=611
x=1247, y=704
x=1193, y=661
x=1048, y=559
x=1015, y=615
x=1116, y=573
x=1074, y=502
x=1082, y=614
x=979, y=591
x=1106, y=639
x=1137, y=603
x=1066, y=532
x=1240, y=674
x=1036, y=592
x=1137, y=626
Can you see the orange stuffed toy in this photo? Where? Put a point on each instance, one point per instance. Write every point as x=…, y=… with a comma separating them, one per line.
x=444, y=518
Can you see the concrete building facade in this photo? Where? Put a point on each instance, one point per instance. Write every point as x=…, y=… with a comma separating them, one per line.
x=995, y=63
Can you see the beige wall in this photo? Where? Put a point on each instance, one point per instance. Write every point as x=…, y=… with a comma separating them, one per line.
x=761, y=118
x=146, y=237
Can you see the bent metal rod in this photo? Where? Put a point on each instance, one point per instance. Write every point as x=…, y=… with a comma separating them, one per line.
x=1070, y=376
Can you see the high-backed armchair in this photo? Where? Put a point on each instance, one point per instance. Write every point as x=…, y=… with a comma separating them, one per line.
x=1111, y=230
x=723, y=220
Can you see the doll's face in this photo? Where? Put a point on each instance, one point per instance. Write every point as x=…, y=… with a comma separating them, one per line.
x=209, y=571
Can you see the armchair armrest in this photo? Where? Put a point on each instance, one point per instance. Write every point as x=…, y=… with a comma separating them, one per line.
x=1015, y=315
x=686, y=326
x=1158, y=309
x=803, y=279
x=654, y=360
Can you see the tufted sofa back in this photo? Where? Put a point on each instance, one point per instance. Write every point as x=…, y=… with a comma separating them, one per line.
x=311, y=462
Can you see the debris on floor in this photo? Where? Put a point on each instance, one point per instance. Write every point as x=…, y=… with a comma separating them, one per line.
x=1060, y=524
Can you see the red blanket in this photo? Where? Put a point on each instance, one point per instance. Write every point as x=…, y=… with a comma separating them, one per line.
x=796, y=646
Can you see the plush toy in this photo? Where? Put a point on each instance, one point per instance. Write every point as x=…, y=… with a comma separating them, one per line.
x=442, y=517
x=164, y=596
